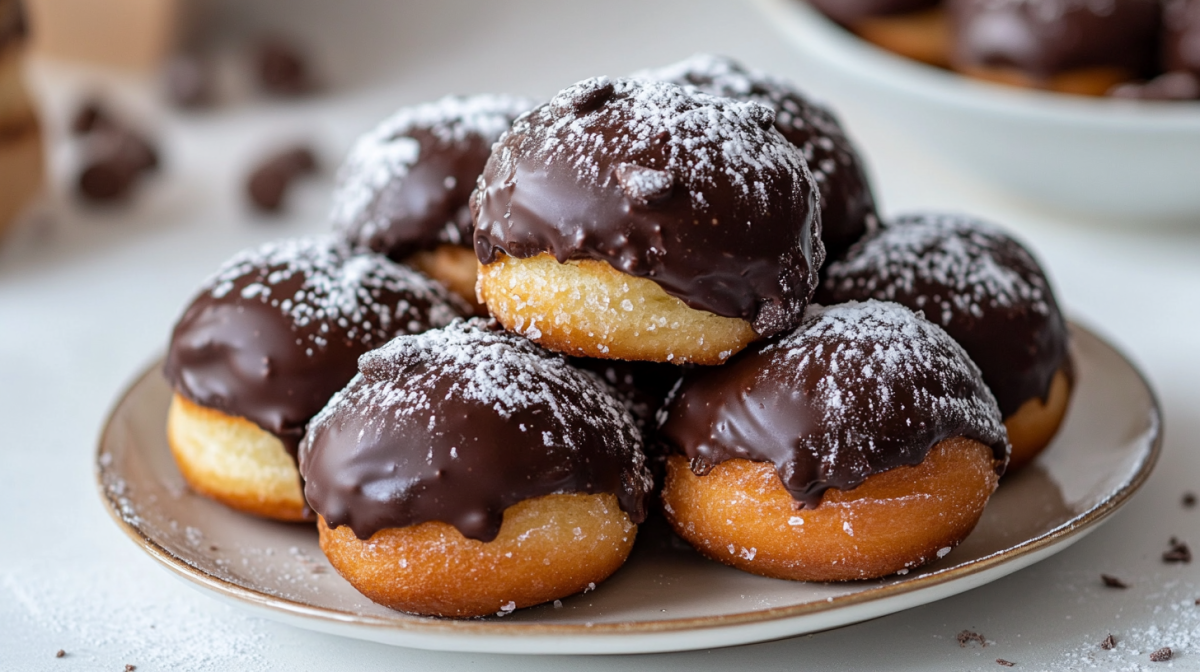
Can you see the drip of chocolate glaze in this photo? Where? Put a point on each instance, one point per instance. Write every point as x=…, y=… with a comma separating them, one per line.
x=851, y=12
x=405, y=185
x=698, y=193
x=280, y=328
x=857, y=390
x=973, y=280
x=1043, y=38
x=847, y=204
x=458, y=424
x=1181, y=39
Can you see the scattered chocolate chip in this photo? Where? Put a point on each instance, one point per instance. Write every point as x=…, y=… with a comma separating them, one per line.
x=270, y=180
x=1189, y=500
x=282, y=69
x=966, y=637
x=188, y=81
x=60, y=653
x=584, y=96
x=106, y=181
x=1113, y=582
x=1162, y=655
x=644, y=185
x=130, y=668
x=1005, y=662
x=1109, y=643
x=213, y=547
x=1178, y=552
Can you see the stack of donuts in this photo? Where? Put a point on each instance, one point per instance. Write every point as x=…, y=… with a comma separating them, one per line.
x=534, y=325
x=1148, y=49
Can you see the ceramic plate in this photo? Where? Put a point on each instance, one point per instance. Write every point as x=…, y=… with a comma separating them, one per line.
x=667, y=597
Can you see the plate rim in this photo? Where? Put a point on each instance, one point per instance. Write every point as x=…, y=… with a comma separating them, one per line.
x=1069, y=529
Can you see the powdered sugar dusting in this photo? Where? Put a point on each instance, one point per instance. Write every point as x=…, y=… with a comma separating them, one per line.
x=387, y=153
x=955, y=266
x=708, y=139
x=874, y=352
x=326, y=289
x=489, y=367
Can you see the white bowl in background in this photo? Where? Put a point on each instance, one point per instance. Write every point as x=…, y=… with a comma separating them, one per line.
x=1120, y=160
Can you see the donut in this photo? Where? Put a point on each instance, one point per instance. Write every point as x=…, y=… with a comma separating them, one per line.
x=862, y=444
x=1070, y=46
x=403, y=189
x=22, y=160
x=847, y=203
x=917, y=29
x=1181, y=36
x=641, y=220
x=467, y=471
x=989, y=293
x=264, y=345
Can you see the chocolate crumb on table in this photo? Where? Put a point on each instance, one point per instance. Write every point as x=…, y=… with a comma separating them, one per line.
x=1189, y=500
x=269, y=182
x=130, y=668
x=282, y=68
x=1161, y=655
x=60, y=653
x=1005, y=662
x=966, y=637
x=1112, y=581
x=1178, y=552
x=1109, y=643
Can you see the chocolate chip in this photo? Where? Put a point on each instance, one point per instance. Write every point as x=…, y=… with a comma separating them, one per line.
x=1109, y=643
x=1005, y=662
x=1113, y=582
x=106, y=180
x=584, y=96
x=268, y=183
x=1162, y=655
x=130, y=668
x=188, y=81
x=644, y=185
x=966, y=637
x=1189, y=500
x=282, y=68
x=1178, y=552
x=60, y=653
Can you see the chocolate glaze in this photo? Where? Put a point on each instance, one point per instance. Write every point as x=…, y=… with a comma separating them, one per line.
x=1043, y=38
x=976, y=282
x=458, y=424
x=404, y=186
x=858, y=389
x=698, y=193
x=850, y=12
x=279, y=329
x=1181, y=42
x=847, y=204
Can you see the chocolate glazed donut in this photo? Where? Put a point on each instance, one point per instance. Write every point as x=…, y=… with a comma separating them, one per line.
x=699, y=194
x=847, y=203
x=1073, y=46
x=850, y=12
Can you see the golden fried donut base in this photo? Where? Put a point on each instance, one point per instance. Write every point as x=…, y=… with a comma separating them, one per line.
x=741, y=515
x=234, y=461
x=923, y=36
x=455, y=267
x=1036, y=422
x=548, y=547
x=587, y=308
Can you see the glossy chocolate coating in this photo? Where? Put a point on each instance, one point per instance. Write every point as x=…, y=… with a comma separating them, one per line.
x=278, y=330
x=1043, y=38
x=850, y=12
x=847, y=204
x=857, y=390
x=404, y=186
x=976, y=282
x=458, y=424
x=700, y=194
x=1181, y=43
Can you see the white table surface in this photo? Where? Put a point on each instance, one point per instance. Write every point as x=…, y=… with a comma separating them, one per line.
x=87, y=298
